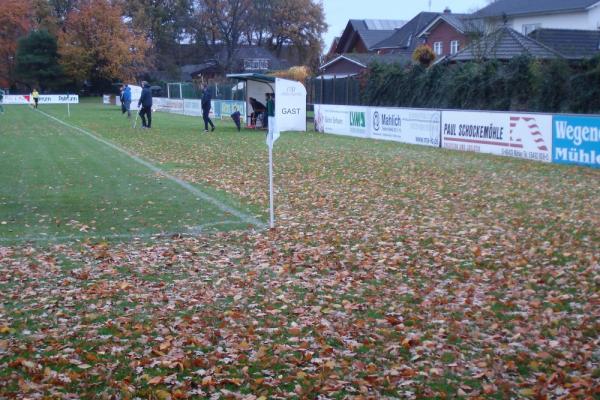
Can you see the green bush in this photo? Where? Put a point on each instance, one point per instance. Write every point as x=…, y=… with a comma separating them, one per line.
x=523, y=84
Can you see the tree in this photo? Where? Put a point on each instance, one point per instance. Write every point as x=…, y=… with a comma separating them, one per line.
x=260, y=22
x=37, y=60
x=95, y=44
x=299, y=24
x=15, y=21
x=60, y=9
x=44, y=16
x=227, y=20
x=165, y=23
x=276, y=24
x=423, y=55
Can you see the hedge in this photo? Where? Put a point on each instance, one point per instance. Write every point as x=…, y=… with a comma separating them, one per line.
x=523, y=84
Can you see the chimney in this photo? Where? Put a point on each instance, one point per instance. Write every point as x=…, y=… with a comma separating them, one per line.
x=447, y=10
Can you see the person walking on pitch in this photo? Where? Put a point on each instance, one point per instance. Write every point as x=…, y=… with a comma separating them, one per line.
x=127, y=101
x=36, y=97
x=146, y=106
x=236, y=117
x=206, y=99
x=270, y=107
x=1, y=100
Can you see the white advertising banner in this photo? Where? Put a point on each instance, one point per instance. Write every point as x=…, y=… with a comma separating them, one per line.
x=406, y=125
x=17, y=99
x=43, y=99
x=290, y=105
x=179, y=106
x=193, y=107
x=397, y=124
x=342, y=120
x=513, y=134
x=174, y=106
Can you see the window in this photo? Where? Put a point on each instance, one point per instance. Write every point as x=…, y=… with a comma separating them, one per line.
x=437, y=48
x=454, y=47
x=528, y=28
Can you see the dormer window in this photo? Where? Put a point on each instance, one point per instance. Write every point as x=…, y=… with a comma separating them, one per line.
x=528, y=28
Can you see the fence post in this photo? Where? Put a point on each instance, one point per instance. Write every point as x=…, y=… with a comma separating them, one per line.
x=347, y=89
x=322, y=90
x=334, y=83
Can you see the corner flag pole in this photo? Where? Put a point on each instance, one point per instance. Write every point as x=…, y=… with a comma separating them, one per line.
x=271, y=194
x=272, y=136
x=68, y=105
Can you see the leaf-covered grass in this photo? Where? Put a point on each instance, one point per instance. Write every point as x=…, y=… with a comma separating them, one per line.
x=395, y=271
x=59, y=183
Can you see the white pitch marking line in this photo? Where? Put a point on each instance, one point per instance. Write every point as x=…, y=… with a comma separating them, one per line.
x=49, y=238
x=241, y=215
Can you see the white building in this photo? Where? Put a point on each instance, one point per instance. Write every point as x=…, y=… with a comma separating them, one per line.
x=525, y=16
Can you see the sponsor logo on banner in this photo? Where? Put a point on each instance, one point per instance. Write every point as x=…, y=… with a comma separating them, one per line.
x=357, y=119
x=525, y=136
x=576, y=140
x=376, y=121
x=406, y=125
x=319, y=119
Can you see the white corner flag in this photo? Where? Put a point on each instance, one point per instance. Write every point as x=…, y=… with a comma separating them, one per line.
x=273, y=133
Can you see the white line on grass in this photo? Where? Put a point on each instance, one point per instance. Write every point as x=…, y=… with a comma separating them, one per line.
x=195, y=230
x=223, y=207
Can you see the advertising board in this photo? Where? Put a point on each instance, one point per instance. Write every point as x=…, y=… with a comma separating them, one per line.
x=406, y=125
x=527, y=136
x=43, y=99
x=397, y=124
x=342, y=120
x=576, y=140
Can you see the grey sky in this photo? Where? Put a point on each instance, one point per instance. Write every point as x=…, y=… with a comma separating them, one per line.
x=338, y=12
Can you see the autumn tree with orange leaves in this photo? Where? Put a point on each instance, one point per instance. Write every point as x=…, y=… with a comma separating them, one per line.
x=15, y=21
x=95, y=44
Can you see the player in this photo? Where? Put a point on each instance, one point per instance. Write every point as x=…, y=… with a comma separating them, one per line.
x=36, y=97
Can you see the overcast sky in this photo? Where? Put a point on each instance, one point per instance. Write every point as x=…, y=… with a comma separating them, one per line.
x=338, y=12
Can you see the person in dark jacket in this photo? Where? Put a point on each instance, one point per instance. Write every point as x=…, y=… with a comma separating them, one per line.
x=236, y=117
x=270, y=108
x=146, y=105
x=206, y=98
x=122, y=99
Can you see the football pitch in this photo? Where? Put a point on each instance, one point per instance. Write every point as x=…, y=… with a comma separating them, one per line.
x=63, y=182
x=394, y=271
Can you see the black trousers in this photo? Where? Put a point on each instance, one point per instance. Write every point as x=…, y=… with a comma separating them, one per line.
x=207, y=120
x=146, y=111
x=237, y=123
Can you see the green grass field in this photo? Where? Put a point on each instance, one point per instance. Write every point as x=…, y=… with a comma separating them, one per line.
x=395, y=271
x=58, y=183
